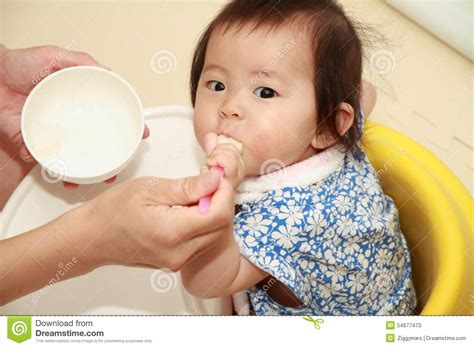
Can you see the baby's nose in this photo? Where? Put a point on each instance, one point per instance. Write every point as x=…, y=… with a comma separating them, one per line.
x=228, y=113
x=231, y=108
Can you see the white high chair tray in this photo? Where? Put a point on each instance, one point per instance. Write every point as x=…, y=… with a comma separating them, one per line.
x=170, y=152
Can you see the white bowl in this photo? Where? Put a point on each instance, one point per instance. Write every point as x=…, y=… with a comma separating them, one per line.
x=82, y=124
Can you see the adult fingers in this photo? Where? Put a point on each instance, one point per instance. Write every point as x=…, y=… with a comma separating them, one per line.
x=183, y=191
x=111, y=180
x=25, y=154
x=68, y=59
x=188, y=222
x=70, y=185
x=146, y=132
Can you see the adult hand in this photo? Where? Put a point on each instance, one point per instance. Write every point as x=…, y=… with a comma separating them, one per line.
x=138, y=224
x=132, y=224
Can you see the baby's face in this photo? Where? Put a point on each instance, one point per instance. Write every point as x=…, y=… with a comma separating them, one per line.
x=258, y=89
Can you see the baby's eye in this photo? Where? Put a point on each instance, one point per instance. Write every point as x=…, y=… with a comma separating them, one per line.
x=215, y=86
x=265, y=92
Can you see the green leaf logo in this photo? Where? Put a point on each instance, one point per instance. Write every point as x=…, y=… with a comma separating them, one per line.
x=19, y=328
x=316, y=322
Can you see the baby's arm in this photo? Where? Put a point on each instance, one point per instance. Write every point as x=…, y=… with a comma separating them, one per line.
x=221, y=271
x=368, y=98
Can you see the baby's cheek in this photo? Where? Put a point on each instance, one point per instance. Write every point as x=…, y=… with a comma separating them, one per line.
x=198, y=135
x=259, y=155
x=202, y=126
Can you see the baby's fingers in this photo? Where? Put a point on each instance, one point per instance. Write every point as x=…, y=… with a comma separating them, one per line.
x=224, y=158
x=234, y=169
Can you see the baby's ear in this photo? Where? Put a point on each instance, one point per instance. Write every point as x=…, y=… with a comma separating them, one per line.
x=344, y=120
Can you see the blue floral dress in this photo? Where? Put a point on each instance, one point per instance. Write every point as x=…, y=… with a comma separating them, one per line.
x=325, y=229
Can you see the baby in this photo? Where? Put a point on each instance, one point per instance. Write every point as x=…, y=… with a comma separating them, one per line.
x=314, y=234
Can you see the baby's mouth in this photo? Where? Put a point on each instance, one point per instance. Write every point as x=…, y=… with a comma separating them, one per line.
x=222, y=139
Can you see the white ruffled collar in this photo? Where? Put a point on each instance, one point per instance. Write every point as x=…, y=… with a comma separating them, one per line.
x=306, y=172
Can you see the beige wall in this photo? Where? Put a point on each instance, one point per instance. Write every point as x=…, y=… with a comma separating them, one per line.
x=1, y=20
x=425, y=91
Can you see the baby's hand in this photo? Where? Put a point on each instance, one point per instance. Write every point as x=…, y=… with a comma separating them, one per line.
x=226, y=156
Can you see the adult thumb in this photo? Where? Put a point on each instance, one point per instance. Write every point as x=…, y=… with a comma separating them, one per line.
x=187, y=191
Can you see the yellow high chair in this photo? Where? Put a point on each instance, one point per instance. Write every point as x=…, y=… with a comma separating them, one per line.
x=436, y=217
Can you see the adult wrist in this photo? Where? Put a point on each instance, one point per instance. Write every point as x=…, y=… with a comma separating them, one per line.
x=83, y=228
